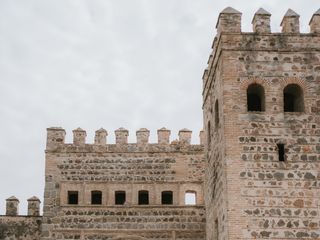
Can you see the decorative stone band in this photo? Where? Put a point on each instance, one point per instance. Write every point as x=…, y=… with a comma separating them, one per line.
x=56, y=137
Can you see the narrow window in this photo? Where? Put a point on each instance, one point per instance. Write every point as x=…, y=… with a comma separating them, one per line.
x=209, y=134
x=293, y=98
x=73, y=197
x=216, y=228
x=216, y=113
x=96, y=197
x=120, y=197
x=143, y=198
x=255, y=98
x=166, y=197
x=281, y=152
x=190, y=198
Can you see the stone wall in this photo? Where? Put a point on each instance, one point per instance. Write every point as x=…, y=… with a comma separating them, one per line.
x=265, y=198
x=129, y=167
x=20, y=227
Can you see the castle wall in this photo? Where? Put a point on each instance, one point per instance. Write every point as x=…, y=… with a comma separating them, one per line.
x=215, y=180
x=20, y=227
x=267, y=198
x=83, y=168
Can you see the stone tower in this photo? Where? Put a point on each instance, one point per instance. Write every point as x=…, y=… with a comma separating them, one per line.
x=261, y=105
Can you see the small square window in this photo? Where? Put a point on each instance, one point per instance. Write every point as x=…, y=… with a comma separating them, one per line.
x=73, y=197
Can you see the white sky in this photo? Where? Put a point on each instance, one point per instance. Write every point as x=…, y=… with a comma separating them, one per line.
x=104, y=63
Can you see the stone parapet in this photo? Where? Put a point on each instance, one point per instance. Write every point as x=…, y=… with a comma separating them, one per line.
x=122, y=145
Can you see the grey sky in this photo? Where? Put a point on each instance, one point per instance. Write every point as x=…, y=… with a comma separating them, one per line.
x=104, y=63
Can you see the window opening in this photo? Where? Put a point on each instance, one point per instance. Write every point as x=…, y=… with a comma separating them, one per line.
x=293, y=98
x=143, y=198
x=166, y=197
x=209, y=134
x=120, y=197
x=281, y=152
x=216, y=112
x=190, y=198
x=96, y=197
x=73, y=197
x=255, y=98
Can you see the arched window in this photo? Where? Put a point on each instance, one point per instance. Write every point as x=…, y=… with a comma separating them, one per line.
x=166, y=197
x=255, y=98
x=216, y=114
x=190, y=198
x=96, y=197
x=293, y=98
x=143, y=198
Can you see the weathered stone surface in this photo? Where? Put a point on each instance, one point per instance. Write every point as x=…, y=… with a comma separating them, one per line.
x=250, y=194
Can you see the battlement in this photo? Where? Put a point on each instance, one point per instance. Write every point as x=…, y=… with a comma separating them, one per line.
x=12, y=206
x=229, y=21
x=56, y=140
x=261, y=39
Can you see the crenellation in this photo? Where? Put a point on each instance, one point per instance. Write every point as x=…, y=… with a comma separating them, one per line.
x=79, y=137
x=164, y=136
x=229, y=21
x=100, y=137
x=55, y=137
x=185, y=136
x=261, y=21
x=12, y=206
x=34, y=206
x=315, y=22
x=121, y=136
x=290, y=22
x=143, y=136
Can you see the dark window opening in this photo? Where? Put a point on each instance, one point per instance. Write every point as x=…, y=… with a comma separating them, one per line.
x=143, y=198
x=166, y=197
x=120, y=197
x=293, y=98
x=281, y=152
x=209, y=135
x=73, y=197
x=96, y=197
x=216, y=112
x=255, y=98
x=216, y=228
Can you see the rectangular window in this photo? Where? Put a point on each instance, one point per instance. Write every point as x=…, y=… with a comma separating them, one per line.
x=96, y=197
x=120, y=197
x=281, y=152
x=73, y=197
x=166, y=197
x=143, y=198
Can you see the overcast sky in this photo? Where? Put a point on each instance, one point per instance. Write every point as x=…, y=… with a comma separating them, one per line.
x=104, y=63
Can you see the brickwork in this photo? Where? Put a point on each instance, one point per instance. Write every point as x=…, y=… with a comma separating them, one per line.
x=255, y=174
x=251, y=194
x=128, y=167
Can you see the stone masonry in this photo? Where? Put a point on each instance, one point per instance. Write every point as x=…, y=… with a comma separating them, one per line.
x=254, y=175
x=261, y=106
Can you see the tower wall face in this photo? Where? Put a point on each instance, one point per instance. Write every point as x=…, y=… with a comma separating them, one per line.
x=251, y=193
x=130, y=168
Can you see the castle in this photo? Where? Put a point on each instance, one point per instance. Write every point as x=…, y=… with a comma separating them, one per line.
x=254, y=175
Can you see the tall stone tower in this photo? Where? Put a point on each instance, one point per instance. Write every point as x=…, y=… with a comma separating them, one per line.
x=261, y=105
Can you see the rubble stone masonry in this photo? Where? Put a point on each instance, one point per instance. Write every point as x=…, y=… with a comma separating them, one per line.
x=254, y=175
x=263, y=165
